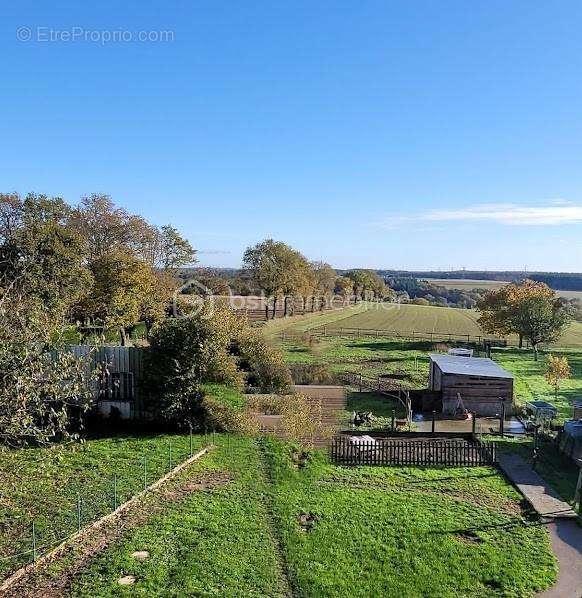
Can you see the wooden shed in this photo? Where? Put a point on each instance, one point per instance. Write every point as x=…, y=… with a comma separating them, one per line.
x=481, y=384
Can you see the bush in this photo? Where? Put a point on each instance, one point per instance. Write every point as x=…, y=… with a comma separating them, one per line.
x=212, y=346
x=224, y=410
x=301, y=416
x=309, y=373
x=262, y=364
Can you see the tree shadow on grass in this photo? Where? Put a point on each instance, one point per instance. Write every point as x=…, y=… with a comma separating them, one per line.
x=396, y=345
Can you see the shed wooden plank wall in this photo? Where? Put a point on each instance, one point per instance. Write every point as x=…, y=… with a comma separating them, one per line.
x=479, y=393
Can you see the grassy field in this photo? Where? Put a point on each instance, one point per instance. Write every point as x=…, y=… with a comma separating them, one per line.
x=405, y=319
x=323, y=530
x=408, y=319
x=489, y=285
x=42, y=484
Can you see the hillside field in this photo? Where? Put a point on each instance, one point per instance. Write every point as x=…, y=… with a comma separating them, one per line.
x=408, y=319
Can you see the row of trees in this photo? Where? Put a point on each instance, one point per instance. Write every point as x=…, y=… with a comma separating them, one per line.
x=283, y=273
x=93, y=265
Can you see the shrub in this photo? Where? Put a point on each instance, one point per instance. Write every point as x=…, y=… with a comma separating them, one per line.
x=263, y=365
x=213, y=345
x=301, y=416
x=310, y=373
x=224, y=410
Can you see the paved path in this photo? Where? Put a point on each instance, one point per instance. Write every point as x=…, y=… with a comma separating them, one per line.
x=566, y=537
x=544, y=499
x=565, y=533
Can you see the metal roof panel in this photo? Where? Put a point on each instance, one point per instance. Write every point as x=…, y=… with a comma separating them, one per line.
x=469, y=366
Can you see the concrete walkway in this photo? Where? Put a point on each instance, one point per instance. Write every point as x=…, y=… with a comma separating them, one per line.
x=566, y=537
x=565, y=533
x=544, y=499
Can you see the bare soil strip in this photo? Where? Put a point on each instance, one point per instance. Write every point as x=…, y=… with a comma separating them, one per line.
x=52, y=576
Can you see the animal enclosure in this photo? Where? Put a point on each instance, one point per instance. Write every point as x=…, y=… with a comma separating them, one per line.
x=423, y=451
x=474, y=384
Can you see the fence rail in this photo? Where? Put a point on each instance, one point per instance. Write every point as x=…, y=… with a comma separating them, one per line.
x=422, y=451
x=418, y=335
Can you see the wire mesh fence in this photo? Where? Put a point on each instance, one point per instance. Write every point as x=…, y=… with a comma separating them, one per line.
x=24, y=538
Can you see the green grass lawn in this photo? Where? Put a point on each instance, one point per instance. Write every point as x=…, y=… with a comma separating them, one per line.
x=530, y=384
x=42, y=484
x=213, y=543
x=331, y=531
x=405, y=532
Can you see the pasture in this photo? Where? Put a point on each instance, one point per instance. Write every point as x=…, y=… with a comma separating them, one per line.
x=421, y=321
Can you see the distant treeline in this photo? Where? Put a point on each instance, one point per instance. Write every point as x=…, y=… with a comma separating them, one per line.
x=560, y=281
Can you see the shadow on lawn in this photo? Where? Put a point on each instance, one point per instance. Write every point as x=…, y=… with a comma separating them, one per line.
x=453, y=478
x=514, y=522
x=384, y=345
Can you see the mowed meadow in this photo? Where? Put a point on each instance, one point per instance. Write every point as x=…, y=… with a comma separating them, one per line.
x=409, y=319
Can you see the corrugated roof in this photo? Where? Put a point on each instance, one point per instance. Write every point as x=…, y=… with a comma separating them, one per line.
x=469, y=366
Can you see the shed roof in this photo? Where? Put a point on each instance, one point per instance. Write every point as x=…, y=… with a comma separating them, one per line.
x=469, y=366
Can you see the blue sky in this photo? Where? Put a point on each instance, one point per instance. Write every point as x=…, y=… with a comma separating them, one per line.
x=413, y=134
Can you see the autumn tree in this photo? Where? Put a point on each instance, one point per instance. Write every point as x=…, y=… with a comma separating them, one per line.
x=176, y=252
x=277, y=269
x=558, y=369
x=531, y=310
x=368, y=285
x=306, y=287
x=344, y=287
x=325, y=277
x=125, y=291
x=106, y=228
x=41, y=255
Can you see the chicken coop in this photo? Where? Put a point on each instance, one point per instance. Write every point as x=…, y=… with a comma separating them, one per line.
x=474, y=384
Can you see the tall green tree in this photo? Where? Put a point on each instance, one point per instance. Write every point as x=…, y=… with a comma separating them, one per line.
x=41, y=255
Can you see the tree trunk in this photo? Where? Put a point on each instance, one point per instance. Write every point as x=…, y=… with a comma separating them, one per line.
x=285, y=300
x=313, y=304
x=123, y=336
x=267, y=310
x=521, y=341
x=535, y=350
x=274, y=306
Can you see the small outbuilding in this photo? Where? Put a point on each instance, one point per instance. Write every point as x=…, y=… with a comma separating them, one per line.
x=476, y=384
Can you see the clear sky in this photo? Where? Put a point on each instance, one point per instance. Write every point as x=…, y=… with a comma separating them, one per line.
x=392, y=134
